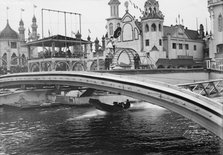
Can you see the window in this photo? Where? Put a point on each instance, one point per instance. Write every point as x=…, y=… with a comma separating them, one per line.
x=111, y=29
x=147, y=42
x=220, y=23
x=180, y=46
x=160, y=42
x=153, y=27
x=195, y=47
x=174, y=46
x=160, y=27
x=14, y=59
x=147, y=28
x=13, y=45
x=186, y=46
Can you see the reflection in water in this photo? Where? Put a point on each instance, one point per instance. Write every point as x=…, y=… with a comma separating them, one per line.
x=143, y=129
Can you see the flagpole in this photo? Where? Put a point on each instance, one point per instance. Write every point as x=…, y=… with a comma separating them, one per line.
x=7, y=8
x=42, y=23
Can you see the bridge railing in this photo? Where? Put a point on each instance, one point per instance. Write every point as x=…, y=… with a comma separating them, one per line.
x=205, y=88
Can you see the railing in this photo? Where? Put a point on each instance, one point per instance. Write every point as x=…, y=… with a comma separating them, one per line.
x=205, y=88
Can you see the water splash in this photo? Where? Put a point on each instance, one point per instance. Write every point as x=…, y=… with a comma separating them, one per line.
x=89, y=114
x=145, y=105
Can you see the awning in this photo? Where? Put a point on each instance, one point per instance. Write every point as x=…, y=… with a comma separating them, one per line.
x=58, y=40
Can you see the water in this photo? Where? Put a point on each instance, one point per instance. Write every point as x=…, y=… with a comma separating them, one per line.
x=144, y=129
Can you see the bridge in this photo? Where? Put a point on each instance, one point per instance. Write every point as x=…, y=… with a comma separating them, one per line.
x=200, y=109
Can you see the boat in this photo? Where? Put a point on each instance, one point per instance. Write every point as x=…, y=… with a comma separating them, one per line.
x=117, y=106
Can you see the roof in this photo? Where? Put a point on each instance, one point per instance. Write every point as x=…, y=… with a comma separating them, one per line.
x=8, y=33
x=171, y=30
x=154, y=48
x=175, y=62
x=59, y=40
x=114, y=2
x=139, y=25
x=192, y=34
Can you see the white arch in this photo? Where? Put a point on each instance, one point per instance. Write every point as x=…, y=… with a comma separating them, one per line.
x=202, y=110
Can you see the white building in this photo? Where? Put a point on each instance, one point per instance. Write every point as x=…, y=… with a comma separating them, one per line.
x=11, y=51
x=149, y=38
x=216, y=37
x=13, y=55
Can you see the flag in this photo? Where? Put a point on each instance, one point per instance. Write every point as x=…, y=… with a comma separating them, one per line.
x=134, y=5
x=34, y=6
x=89, y=30
x=72, y=33
x=7, y=7
x=49, y=32
x=22, y=10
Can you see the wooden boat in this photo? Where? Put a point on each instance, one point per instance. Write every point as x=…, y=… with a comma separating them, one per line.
x=109, y=108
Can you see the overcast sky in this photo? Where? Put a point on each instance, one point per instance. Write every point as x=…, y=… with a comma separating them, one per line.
x=94, y=14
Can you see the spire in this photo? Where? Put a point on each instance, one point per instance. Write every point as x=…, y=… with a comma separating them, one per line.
x=21, y=23
x=21, y=30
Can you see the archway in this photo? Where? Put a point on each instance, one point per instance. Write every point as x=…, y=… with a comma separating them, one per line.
x=35, y=67
x=78, y=66
x=62, y=66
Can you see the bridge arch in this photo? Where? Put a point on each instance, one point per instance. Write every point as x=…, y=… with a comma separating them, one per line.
x=202, y=110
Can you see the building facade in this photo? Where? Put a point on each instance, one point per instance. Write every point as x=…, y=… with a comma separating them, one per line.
x=149, y=38
x=13, y=55
x=215, y=8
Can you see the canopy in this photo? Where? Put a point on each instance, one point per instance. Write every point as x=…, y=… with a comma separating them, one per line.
x=58, y=40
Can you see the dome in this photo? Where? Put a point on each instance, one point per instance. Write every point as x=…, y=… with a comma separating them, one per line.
x=8, y=33
x=114, y=2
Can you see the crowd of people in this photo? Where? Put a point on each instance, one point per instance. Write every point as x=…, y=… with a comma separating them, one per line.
x=60, y=54
x=13, y=69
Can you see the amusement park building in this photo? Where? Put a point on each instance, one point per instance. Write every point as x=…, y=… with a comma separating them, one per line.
x=13, y=55
x=216, y=37
x=155, y=43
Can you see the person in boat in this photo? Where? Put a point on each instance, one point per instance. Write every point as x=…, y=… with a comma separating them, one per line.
x=127, y=104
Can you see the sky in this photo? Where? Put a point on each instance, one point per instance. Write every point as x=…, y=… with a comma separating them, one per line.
x=94, y=14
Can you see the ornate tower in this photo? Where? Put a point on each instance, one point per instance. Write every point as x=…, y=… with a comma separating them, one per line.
x=21, y=30
x=34, y=28
x=152, y=28
x=114, y=20
x=215, y=8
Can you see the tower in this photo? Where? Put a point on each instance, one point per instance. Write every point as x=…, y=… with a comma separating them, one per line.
x=21, y=30
x=114, y=20
x=152, y=27
x=34, y=28
x=215, y=8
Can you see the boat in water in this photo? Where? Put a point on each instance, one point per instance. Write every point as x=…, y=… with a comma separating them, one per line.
x=117, y=106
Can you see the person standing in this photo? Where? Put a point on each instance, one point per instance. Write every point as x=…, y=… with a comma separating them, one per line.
x=107, y=63
x=136, y=61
